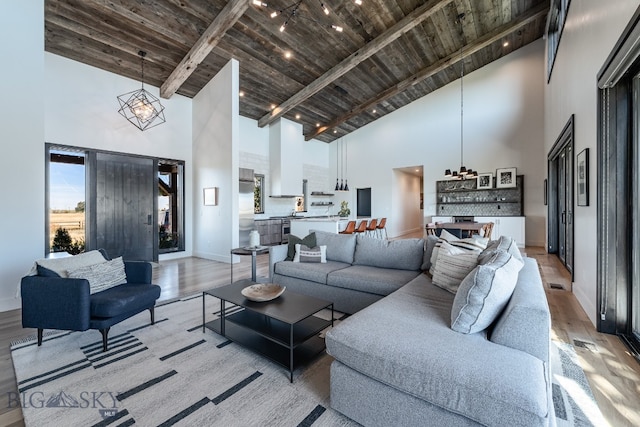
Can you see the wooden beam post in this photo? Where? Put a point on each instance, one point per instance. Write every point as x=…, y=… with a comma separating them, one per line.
x=205, y=44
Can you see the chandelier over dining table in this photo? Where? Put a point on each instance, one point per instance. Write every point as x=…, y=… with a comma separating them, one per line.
x=463, y=173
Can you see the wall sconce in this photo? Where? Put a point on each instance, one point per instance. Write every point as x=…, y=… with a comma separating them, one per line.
x=211, y=196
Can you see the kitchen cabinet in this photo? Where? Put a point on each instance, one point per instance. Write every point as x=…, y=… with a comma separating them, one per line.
x=511, y=226
x=270, y=231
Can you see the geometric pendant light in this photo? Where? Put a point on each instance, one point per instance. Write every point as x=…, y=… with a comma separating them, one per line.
x=140, y=107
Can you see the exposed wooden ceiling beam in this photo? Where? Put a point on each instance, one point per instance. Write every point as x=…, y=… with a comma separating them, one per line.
x=406, y=24
x=205, y=44
x=481, y=43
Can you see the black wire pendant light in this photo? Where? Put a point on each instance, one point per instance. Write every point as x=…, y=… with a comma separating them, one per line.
x=140, y=107
x=463, y=172
x=341, y=183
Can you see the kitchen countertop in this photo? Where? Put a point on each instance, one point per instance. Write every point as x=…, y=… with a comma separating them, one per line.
x=319, y=219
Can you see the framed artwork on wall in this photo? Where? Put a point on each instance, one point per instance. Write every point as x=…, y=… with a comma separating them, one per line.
x=505, y=177
x=583, y=177
x=485, y=180
x=211, y=196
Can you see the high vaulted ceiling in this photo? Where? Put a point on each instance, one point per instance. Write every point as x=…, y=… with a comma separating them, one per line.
x=390, y=52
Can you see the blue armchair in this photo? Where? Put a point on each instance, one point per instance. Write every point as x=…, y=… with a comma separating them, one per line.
x=66, y=303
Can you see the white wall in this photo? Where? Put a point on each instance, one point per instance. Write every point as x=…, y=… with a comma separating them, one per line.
x=503, y=127
x=591, y=30
x=81, y=109
x=216, y=145
x=21, y=136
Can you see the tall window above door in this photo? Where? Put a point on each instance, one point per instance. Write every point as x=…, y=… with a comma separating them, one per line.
x=555, y=24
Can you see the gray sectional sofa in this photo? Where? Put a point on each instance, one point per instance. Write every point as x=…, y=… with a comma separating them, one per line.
x=399, y=362
x=359, y=270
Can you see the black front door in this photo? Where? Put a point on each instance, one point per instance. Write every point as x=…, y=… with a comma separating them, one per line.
x=125, y=215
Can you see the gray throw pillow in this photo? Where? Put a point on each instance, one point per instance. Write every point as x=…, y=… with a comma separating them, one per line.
x=429, y=245
x=484, y=293
x=401, y=254
x=308, y=241
x=504, y=243
x=340, y=247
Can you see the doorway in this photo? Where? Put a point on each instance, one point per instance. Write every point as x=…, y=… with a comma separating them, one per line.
x=560, y=209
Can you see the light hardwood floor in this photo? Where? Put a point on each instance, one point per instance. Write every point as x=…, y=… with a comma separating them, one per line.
x=613, y=373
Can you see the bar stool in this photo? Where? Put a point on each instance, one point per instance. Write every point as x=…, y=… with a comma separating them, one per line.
x=351, y=228
x=371, y=228
x=362, y=227
x=382, y=226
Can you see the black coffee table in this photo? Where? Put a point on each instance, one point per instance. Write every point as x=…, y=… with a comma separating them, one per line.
x=285, y=329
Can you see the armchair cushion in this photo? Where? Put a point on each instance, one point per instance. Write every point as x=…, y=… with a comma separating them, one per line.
x=123, y=299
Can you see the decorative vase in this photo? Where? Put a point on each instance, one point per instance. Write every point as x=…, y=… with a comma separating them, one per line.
x=254, y=239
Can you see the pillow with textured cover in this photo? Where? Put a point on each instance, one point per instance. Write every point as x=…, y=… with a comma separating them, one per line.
x=452, y=266
x=60, y=266
x=484, y=293
x=429, y=246
x=309, y=241
x=340, y=247
x=307, y=254
x=102, y=276
x=445, y=236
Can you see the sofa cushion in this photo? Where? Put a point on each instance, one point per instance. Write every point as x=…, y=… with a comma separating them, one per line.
x=314, y=272
x=62, y=265
x=123, y=299
x=340, y=247
x=403, y=254
x=309, y=241
x=484, y=293
x=306, y=254
x=101, y=276
x=452, y=266
x=365, y=278
x=405, y=341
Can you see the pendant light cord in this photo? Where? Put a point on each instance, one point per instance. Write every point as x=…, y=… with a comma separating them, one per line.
x=461, y=100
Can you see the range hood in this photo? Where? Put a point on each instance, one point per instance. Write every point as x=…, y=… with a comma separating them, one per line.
x=285, y=158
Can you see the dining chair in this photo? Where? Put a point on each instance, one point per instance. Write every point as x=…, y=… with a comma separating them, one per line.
x=431, y=229
x=362, y=227
x=382, y=226
x=350, y=229
x=371, y=228
x=487, y=229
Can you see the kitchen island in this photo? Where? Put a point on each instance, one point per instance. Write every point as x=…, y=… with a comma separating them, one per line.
x=333, y=224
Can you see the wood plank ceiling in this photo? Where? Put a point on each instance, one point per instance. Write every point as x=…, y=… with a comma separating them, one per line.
x=390, y=52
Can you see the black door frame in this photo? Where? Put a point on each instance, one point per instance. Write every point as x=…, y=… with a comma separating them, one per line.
x=565, y=140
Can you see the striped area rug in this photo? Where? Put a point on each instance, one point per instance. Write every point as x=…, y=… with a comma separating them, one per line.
x=170, y=373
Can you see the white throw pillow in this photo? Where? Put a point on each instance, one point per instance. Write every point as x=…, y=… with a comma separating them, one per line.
x=306, y=254
x=445, y=236
x=62, y=265
x=452, y=266
x=102, y=276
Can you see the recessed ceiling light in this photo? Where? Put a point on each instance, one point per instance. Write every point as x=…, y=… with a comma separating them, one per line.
x=241, y=93
x=287, y=54
x=505, y=44
x=317, y=125
x=297, y=116
x=272, y=106
x=374, y=111
x=335, y=131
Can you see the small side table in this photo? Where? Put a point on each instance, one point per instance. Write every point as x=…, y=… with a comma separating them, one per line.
x=259, y=250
